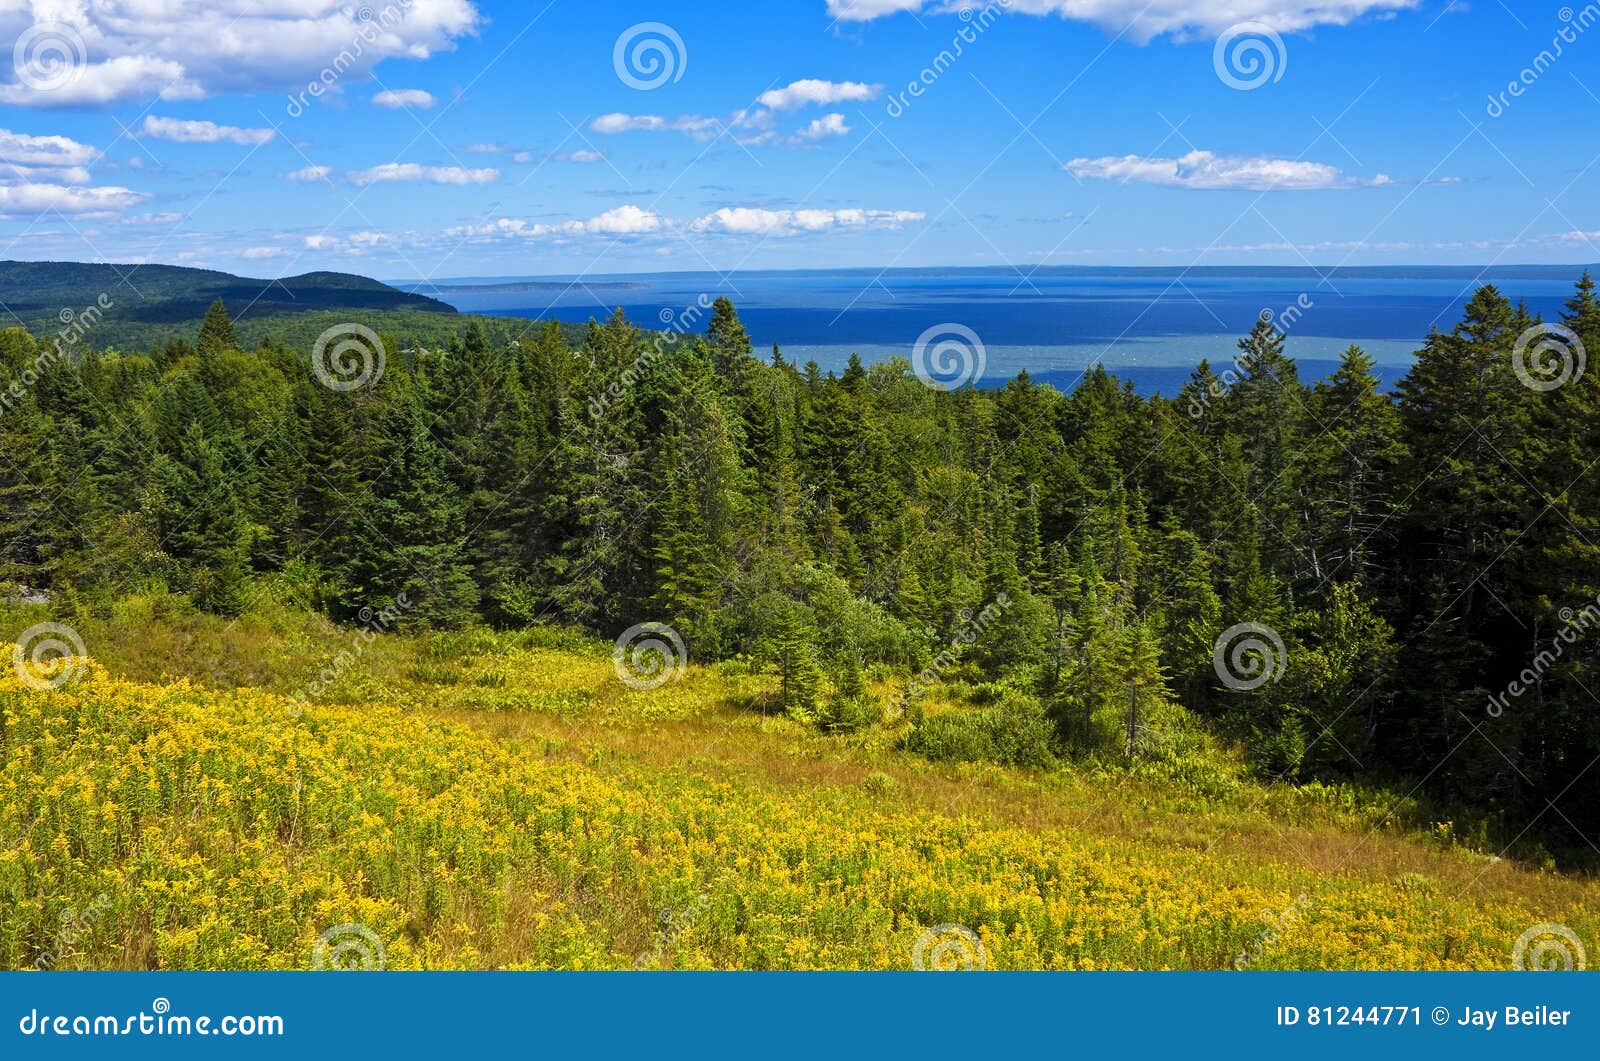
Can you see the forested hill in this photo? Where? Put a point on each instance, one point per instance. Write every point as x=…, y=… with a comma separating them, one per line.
x=140, y=305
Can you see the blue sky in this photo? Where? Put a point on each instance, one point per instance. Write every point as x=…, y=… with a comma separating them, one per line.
x=477, y=139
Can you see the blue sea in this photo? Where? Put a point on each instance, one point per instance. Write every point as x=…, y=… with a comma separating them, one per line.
x=1149, y=325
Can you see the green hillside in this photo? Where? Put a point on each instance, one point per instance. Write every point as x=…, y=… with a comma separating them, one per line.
x=149, y=305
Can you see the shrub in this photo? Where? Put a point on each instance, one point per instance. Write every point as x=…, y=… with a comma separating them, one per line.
x=1015, y=731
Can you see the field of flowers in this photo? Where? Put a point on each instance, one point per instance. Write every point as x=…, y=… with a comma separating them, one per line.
x=483, y=801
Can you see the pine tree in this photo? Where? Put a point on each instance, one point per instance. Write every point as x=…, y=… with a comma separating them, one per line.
x=216, y=332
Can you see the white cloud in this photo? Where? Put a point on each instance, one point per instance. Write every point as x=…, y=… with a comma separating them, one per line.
x=754, y=221
x=1204, y=169
x=751, y=127
x=627, y=220
x=254, y=253
x=46, y=174
x=394, y=98
x=186, y=49
x=1181, y=18
x=201, y=132
x=309, y=174
x=351, y=243
x=47, y=159
x=582, y=155
x=411, y=171
x=812, y=91
x=95, y=84
x=824, y=127
x=692, y=124
x=55, y=198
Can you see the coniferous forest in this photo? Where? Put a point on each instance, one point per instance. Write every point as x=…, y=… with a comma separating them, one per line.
x=1345, y=584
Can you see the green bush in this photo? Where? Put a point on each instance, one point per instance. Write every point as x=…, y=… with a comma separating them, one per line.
x=1015, y=731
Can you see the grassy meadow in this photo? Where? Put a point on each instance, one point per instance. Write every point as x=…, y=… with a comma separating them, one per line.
x=501, y=800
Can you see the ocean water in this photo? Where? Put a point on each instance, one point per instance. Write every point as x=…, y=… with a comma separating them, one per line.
x=1150, y=325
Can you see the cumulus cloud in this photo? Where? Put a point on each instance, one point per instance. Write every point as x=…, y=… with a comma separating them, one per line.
x=1143, y=21
x=47, y=174
x=201, y=132
x=829, y=125
x=411, y=171
x=351, y=243
x=692, y=124
x=33, y=198
x=627, y=220
x=395, y=98
x=26, y=159
x=813, y=91
x=309, y=174
x=755, y=221
x=95, y=84
x=1205, y=169
x=254, y=253
x=187, y=49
